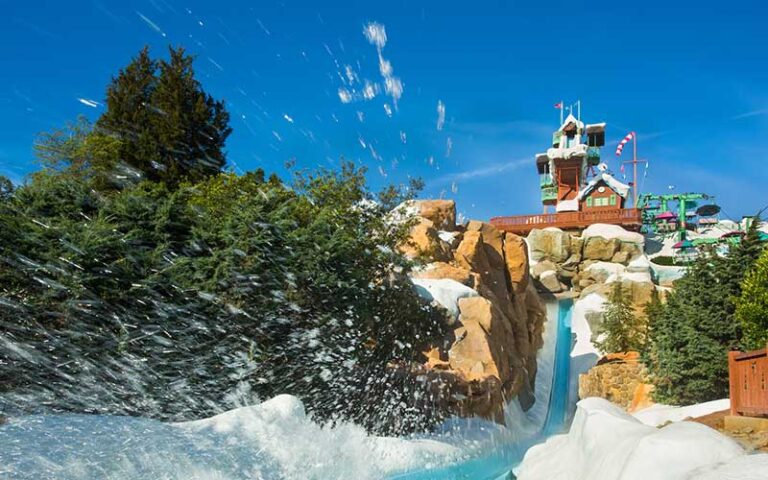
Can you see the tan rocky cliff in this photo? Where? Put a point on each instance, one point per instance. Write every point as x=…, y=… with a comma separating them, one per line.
x=490, y=357
x=620, y=378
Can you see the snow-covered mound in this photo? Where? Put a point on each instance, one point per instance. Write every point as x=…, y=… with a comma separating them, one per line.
x=272, y=440
x=659, y=414
x=612, y=231
x=445, y=292
x=606, y=443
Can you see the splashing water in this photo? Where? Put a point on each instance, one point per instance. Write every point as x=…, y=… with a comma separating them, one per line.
x=278, y=440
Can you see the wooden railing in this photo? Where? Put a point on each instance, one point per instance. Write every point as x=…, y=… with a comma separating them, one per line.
x=568, y=220
x=748, y=377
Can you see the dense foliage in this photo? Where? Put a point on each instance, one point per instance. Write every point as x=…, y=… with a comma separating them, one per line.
x=621, y=330
x=752, y=305
x=182, y=291
x=168, y=128
x=690, y=337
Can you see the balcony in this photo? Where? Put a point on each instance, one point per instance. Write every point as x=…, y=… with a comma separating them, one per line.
x=548, y=193
x=523, y=224
x=593, y=156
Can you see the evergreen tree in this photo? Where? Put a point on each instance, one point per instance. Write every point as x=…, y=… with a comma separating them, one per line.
x=653, y=311
x=6, y=188
x=620, y=327
x=752, y=305
x=170, y=128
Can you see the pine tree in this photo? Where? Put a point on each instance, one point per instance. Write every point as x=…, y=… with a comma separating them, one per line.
x=171, y=129
x=620, y=326
x=752, y=305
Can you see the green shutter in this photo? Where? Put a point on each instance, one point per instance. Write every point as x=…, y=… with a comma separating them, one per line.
x=613, y=200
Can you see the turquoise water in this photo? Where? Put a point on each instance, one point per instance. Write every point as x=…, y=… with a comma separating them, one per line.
x=498, y=463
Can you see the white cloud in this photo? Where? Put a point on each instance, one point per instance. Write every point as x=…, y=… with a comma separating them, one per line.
x=483, y=171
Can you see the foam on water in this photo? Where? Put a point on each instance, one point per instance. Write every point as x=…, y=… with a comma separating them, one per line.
x=273, y=440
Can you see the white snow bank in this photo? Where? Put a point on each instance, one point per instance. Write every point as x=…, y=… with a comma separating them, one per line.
x=612, y=231
x=640, y=264
x=445, y=292
x=605, y=442
x=659, y=414
x=580, y=328
x=606, y=269
x=300, y=448
x=638, y=277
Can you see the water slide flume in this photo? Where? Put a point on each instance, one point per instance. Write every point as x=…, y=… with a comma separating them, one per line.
x=498, y=461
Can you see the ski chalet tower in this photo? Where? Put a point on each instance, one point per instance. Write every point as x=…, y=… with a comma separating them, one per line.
x=577, y=190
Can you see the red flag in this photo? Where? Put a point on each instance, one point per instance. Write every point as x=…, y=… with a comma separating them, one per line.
x=559, y=105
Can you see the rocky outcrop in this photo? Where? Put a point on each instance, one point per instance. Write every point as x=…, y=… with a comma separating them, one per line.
x=620, y=378
x=549, y=244
x=591, y=262
x=424, y=241
x=490, y=355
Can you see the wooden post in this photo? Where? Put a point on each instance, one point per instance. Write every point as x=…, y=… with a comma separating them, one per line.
x=733, y=382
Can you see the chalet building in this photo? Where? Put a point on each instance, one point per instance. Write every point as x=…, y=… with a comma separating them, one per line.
x=575, y=184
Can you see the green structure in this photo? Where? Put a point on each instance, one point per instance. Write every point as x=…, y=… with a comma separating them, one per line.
x=671, y=212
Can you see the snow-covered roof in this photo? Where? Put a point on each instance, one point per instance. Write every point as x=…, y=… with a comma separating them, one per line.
x=575, y=151
x=567, y=206
x=617, y=186
x=595, y=127
x=569, y=120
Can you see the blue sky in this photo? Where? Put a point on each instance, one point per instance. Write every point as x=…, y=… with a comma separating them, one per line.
x=690, y=77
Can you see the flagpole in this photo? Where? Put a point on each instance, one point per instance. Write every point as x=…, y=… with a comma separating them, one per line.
x=562, y=106
x=634, y=164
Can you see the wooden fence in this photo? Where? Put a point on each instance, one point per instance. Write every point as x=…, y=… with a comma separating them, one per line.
x=523, y=224
x=748, y=377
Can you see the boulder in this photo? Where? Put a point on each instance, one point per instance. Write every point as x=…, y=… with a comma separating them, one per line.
x=550, y=283
x=473, y=254
x=621, y=257
x=443, y=270
x=424, y=242
x=599, y=248
x=484, y=344
x=442, y=213
x=549, y=244
x=633, y=250
x=543, y=266
x=516, y=259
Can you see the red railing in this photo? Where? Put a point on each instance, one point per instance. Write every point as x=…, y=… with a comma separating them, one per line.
x=568, y=220
x=748, y=377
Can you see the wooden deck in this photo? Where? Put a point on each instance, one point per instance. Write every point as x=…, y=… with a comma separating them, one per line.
x=629, y=218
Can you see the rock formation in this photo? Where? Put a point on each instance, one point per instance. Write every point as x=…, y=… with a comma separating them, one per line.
x=591, y=262
x=620, y=378
x=490, y=357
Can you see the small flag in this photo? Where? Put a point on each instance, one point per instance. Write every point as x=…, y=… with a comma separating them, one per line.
x=559, y=105
x=623, y=142
x=622, y=168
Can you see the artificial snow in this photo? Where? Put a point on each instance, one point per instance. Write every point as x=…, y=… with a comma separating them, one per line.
x=659, y=414
x=300, y=448
x=618, y=187
x=567, y=206
x=445, y=292
x=612, y=231
x=605, y=442
x=447, y=237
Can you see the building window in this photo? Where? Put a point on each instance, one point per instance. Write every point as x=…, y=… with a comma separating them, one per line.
x=613, y=200
x=589, y=201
